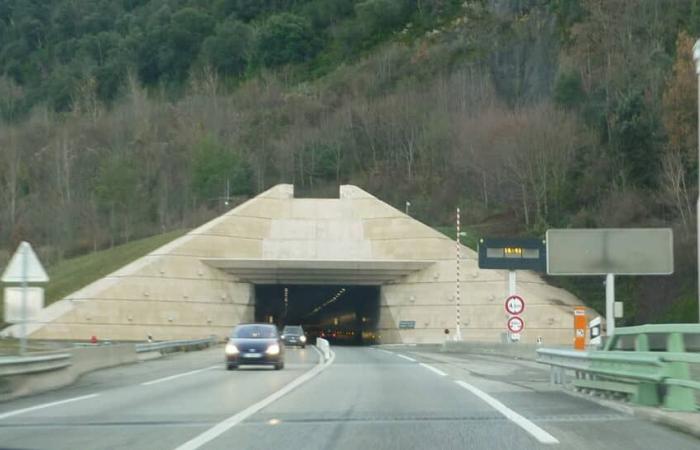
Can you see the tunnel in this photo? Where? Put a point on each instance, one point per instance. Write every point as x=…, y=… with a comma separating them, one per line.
x=342, y=314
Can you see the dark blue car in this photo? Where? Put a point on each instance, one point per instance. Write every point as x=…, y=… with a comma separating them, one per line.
x=254, y=344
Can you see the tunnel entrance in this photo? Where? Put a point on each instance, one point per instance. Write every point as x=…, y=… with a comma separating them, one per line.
x=343, y=314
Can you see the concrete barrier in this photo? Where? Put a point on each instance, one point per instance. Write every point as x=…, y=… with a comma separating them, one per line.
x=325, y=348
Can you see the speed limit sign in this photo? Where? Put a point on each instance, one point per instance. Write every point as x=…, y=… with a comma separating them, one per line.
x=515, y=305
x=515, y=324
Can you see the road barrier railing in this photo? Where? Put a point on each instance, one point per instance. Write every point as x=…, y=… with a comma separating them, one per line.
x=15, y=365
x=651, y=365
x=174, y=346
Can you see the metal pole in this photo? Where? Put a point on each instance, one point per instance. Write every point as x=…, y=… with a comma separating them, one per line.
x=23, y=330
x=697, y=206
x=458, y=331
x=511, y=291
x=511, y=282
x=610, y=303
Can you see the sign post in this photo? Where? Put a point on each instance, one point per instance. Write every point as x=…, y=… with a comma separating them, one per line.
x=594, y=331
x=513, y=254
x=610, y=252
x=24, y=267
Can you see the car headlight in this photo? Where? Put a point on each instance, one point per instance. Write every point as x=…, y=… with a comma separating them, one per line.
x=302, y=339
x=231, y=349
x=274, y=349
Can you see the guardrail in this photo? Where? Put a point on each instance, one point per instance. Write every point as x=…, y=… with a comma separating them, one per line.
x=16, y=365
x=172, y=346
x=647, y=363
x=325, y=348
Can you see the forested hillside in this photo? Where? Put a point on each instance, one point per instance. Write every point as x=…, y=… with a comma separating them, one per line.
x=126, y=118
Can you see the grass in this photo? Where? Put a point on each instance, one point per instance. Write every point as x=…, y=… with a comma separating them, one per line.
x=72, y=274
x=470, y=239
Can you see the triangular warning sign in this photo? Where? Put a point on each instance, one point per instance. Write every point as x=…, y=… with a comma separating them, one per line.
x=19, y=270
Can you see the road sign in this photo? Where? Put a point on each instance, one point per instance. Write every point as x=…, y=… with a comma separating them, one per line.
x=515, y=325
x=515, y=305
x=633, y=251
x=512, y=254
x=407, y=324
x=30, y=271
x=594, y=331
x=13, y=303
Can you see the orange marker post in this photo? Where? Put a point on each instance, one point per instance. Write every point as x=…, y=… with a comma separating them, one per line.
x=579, y=328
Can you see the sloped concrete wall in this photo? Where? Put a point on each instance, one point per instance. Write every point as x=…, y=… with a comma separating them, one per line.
x=171, y=294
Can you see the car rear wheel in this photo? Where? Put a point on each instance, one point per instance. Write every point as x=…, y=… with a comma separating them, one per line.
x=231, y=367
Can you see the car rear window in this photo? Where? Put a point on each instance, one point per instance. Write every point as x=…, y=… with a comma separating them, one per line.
x=254, y=332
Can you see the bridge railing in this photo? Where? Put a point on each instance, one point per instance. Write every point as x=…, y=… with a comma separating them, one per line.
x=649, y=364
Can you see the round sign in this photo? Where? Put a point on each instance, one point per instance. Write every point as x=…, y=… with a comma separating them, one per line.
x=515, y=305
x=515, y=324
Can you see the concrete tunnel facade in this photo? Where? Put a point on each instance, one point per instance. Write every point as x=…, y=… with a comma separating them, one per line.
x=202, y=283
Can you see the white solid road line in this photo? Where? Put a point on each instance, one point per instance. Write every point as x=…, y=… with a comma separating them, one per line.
x=537, y=432
x=172, y=377
x=437, y=371
x=405, y=357
x=46, y=405
x=227, y=424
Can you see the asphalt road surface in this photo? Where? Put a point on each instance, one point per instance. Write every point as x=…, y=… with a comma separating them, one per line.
x=364, y=398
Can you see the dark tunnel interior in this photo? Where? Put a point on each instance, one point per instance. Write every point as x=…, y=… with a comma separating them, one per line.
x=340, y=313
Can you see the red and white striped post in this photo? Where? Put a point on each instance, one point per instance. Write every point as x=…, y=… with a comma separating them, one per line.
x=458, y=331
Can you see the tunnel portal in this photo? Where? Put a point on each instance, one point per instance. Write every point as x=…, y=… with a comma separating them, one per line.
x=343, y=314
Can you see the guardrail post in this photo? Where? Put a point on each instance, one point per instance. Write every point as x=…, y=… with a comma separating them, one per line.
x=678, y=398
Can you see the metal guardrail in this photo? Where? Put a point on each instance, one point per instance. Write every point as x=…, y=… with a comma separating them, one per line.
x=16, y=365
x=655, y=370
x=171, y=346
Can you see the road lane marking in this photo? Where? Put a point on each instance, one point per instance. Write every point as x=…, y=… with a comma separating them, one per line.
x=537, y=432
x=437, y=371
x=46, y=405
x=172, y=377
x=405, y=357
x=226, y=424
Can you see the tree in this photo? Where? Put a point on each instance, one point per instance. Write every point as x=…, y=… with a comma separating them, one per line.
x=213, y=167
x=286, y=38
x=229, y=49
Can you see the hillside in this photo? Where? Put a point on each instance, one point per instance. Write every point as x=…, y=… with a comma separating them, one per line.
x=122, y=119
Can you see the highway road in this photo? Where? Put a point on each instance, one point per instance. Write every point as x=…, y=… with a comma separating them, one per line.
x=389, y=398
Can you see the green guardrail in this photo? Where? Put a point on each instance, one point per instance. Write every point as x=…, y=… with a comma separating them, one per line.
x=661, y=368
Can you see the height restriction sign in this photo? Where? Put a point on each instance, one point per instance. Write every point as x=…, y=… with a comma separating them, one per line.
x=515, y=305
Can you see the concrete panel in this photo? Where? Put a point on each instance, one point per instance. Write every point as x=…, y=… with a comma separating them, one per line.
x=240, y=226
x=435, y=249
x=220, y=247
x=393, y=227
